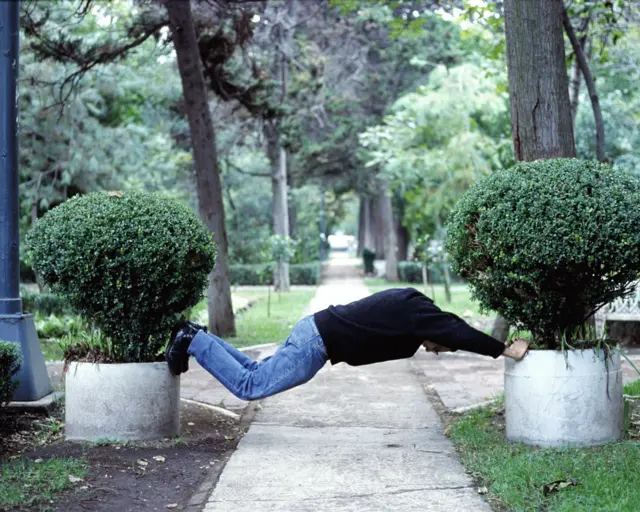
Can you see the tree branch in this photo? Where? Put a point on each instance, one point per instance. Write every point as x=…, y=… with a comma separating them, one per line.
x=591, y=86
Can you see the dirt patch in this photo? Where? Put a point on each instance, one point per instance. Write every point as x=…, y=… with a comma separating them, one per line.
x=136, y=476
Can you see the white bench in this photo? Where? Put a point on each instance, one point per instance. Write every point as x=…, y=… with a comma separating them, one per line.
x=624, y=309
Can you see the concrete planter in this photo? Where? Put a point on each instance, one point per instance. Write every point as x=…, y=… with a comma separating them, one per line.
x=556, y=399
x=133, y=401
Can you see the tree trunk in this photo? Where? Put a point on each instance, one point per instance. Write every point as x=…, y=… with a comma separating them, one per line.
x=402, y=239
x=378, y=227
x=280, y=209
x=277, y=153
x=390, y=231
x=500, y=329
x=210, y=194
x=361, y=227
x=578, y=48
x=541, y=123
x=293, y=219
x=369, y=224
x=574, y=92
x=446, y=277
x=575, y=89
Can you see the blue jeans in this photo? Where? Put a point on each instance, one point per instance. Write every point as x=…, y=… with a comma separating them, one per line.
x=295, y=362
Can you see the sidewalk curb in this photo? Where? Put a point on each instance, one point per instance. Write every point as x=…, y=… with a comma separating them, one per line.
x=199, y=499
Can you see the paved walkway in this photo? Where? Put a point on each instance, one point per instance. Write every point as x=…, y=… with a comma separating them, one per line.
x=353, y=439
x=463, y=379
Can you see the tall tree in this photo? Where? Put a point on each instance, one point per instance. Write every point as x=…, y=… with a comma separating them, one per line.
x=283, y=18
x=210, y=193
x=541, y=120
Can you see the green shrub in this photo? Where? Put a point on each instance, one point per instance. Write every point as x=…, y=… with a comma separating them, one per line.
x=53, y=326
x=262, y=274
x=547, y=243
x=251, y=275
x=130, y=263
x=368, y=257
x=305, y=273
x=10, y=364
x=410, y=271
x=45, y=303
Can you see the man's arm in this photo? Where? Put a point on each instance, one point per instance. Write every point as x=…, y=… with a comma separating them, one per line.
x=517, y=350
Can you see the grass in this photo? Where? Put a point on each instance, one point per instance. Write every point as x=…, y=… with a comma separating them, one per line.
x=514, y=474
x=461, y=301
x=632, y=388
x=29, y=483
x=255, y=327
x=51, y=350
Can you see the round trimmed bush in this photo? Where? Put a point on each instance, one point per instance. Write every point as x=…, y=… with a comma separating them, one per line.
x=547, y=243
x=131, y=263
x=10, y=364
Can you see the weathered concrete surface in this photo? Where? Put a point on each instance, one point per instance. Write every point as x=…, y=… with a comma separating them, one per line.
x=100, y=397
x=353, y=439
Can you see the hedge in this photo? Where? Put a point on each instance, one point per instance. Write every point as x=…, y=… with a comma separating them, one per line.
x=45, y=303
x=411, y=272
x=10, y=364
x=262, y=274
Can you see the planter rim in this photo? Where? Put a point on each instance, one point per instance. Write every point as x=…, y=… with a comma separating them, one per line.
x=75, y=365
x=569, y=351
x=114, y=364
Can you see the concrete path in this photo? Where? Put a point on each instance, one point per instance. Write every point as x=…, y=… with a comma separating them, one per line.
x=353, y=439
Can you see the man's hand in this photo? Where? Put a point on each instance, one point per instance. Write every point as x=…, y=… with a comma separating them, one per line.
x=517, y=350
x=434, y=347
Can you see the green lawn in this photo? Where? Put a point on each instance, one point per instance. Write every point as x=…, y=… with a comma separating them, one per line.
x=515, y=475
x=460, y=295
x=632, y=388
x=255, y=326
x=27, y=483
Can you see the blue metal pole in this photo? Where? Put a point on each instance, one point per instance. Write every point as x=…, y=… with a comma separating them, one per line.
x=15, y=326
x=10, y=302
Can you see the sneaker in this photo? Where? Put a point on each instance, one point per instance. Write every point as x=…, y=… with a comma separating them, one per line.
x=176, y=354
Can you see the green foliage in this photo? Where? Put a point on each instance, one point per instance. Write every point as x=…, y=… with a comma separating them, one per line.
x=441, y=139
x=10, y=364
x=252, y=274
x=632, y=388
x=547, y=243
x=54, y=326
x=282, y=248
x=45, y=303
x=29, y=485
x=305, y=273
x=410, y=271
x=254, y=327
x=515, y=474
x=262, y=274
x=368, y=257
x=130, y=263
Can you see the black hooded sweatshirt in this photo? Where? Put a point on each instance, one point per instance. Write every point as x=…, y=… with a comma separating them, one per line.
x=393, y=324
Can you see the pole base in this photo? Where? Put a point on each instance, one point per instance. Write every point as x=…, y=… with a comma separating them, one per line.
x=33, y=377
